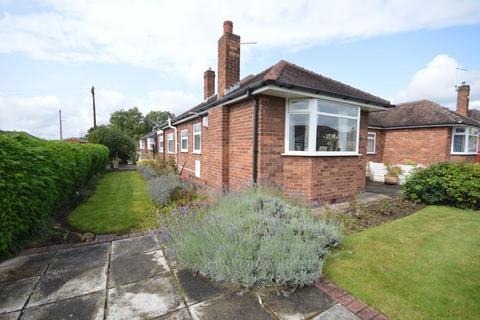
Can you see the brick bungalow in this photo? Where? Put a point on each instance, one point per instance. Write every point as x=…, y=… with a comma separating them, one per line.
x=285, y=126
x=424, y=132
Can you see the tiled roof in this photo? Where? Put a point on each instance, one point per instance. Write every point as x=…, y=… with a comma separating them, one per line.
x=474, y=114
x=290, y=75
x=422, y=113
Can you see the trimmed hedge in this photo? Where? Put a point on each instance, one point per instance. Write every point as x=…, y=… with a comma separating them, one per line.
x=455, y=184
x=36, y=177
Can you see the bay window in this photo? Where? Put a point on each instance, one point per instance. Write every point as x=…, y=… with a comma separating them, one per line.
x=464, y=140
x=197, y=138
x=321, y=127
x=184, y=140
x=170, y=143
x=371, y=142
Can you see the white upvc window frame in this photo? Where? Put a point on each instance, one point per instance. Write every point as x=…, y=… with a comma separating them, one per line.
x=374, y=138
x=170, y=137
x=312, y=134
x=182, y=138
x=142, y=144
x=198, y=127
x=467, y=135
x=151, y=143
x=160, y=143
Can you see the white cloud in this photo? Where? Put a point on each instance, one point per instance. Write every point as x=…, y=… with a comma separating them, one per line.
x=178, y=37
x=38, y=115
x=437, y=81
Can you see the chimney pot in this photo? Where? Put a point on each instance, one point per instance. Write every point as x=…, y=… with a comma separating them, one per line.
x=227, y=27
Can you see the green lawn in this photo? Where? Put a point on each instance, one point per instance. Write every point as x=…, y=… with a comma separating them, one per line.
x=424, y=266
x=120, y=201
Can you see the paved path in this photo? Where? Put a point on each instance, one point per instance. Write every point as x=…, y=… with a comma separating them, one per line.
x=135, y=278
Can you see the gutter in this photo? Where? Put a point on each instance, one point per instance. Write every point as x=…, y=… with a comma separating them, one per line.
x=255, y=140
x=169, y=125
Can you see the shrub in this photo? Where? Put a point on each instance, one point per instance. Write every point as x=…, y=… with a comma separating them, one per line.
x=447, y=183
x=120, y=145
x=156, y=167
x=254, y=239
x=162, y=188
x=37, y=177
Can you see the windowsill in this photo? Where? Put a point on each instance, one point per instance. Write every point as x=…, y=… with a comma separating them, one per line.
x=184, y=151
x=197, y=152
x=371, y=153
x=322, y=154
x=464, y=153
x=169, y=152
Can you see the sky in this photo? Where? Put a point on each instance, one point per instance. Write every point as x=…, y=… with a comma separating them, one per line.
x=152, y=53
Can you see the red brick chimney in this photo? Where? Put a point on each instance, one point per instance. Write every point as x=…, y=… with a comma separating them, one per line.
x=208, y=83
x=228, y=59
x=463, y=93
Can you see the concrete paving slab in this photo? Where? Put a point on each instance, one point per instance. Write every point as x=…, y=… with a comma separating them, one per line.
x=181, y=314
x=198, y=288
x=88, y=307
x=10, y=316
x=135, y=245
x=337, y=312
x=148, y=298
x=24, y=266
x=129, y=268
x=171, y=257
x=82, y=258
x=14, y=294
x=300, y=304
x=55, y=286
x=230, y=306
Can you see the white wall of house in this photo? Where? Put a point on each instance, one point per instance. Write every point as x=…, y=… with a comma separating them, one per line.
x=376, y=171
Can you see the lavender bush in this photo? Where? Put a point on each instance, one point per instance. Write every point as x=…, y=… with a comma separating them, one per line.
x=254, y=239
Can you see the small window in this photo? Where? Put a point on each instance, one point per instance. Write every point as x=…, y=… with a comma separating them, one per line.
x=371, y=142
x=160, y=143
x=142, y=144
x=324, y=106
x=184, y=140
x=197, y=138
x=465, y=140
x=170, y=143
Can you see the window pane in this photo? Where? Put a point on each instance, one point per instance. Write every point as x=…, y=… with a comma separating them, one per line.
x=336, y=108
x=184, y=144
x=458, y=143
x=299, y=132
x=197, y=141
x=472, y=143
x=370, y=145
x=336, y=134
x=197, y=128
x=459, y=130
x=298, y=105
x=184, y=133
x=473, y=131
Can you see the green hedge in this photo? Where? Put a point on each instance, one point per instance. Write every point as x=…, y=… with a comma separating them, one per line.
x=36, y=177
x=449, y=183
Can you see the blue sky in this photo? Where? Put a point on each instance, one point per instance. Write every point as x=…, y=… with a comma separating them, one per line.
x=153, y=55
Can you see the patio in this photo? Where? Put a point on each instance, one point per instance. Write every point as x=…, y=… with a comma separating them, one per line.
x=135, y=278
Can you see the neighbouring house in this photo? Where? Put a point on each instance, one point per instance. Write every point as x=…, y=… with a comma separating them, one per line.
x=148, y=146
x=75, y=140
x=285, y=126
x=425, y=132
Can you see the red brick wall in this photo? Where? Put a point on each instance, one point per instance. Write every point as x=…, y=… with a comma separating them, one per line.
x=271, y=140
x=215, y=149
x=240, y=138
x=423, y=145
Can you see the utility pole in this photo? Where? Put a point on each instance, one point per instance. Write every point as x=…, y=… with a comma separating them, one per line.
x=60, y=120
x=94, y=112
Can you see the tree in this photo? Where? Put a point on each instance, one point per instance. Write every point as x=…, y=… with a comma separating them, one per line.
x=121, y=146
x=129, y=121
x=154, y=118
